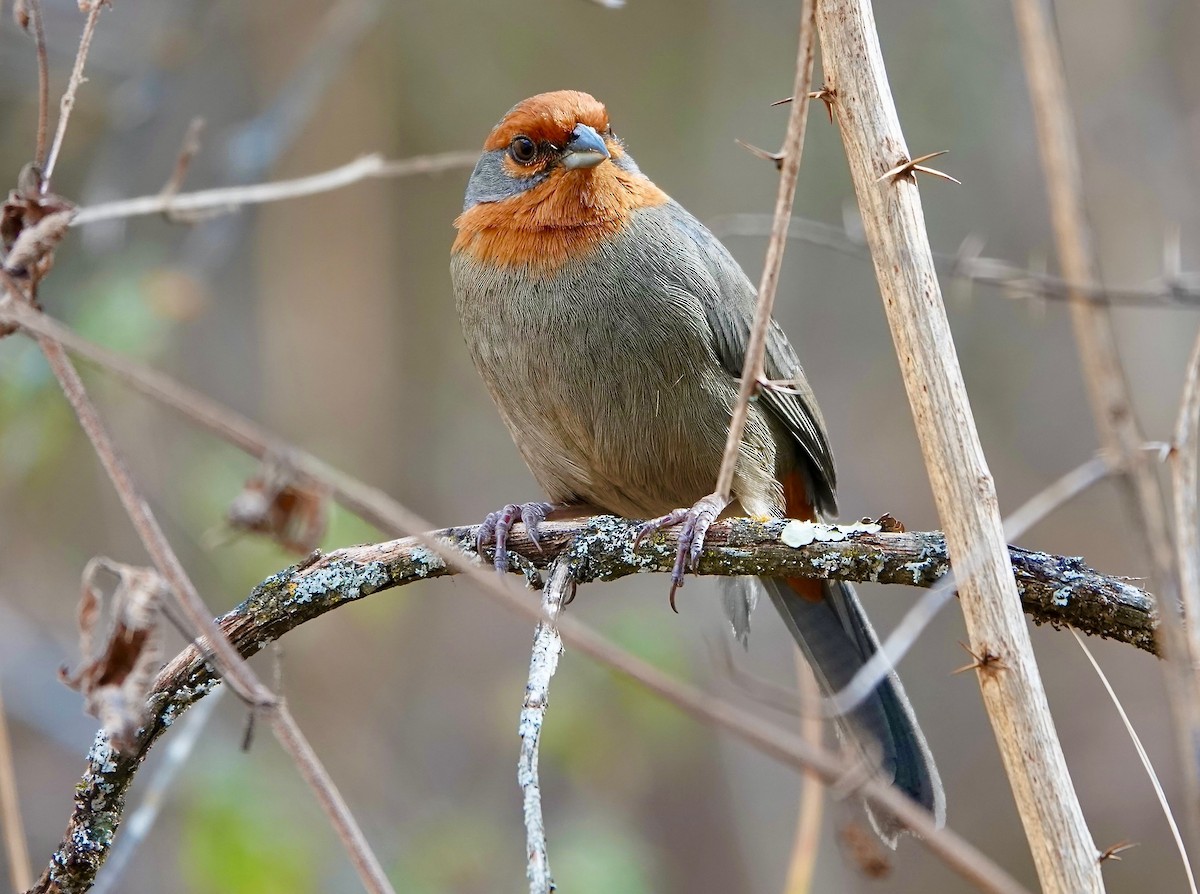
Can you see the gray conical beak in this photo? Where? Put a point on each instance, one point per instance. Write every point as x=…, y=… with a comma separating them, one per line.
x=585, y=148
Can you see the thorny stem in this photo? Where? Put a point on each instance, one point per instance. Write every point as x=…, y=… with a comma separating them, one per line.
x=793, y=149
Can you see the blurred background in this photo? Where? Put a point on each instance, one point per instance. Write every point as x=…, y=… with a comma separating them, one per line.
x=331, y=320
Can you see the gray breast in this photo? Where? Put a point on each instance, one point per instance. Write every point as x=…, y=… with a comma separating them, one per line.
x=606, y=373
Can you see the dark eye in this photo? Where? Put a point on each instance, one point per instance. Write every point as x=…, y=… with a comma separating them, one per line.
x=523, y=150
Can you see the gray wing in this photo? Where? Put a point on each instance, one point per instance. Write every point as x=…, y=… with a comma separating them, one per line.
x=730, y=313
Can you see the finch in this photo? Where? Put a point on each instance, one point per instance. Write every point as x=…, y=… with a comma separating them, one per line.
x=610, y=327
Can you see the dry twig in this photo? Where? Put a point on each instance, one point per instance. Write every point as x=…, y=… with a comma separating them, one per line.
x=789, y=171
x=154, y=796
x=1175, y=288
x=1110, y=853
x=1108, y=391
x=905, y=634
x=963, y=488
x=367, y=502
x=93, y=8
x=228, y=199
x=26, y=13
x=543, y=662
x=233, y=667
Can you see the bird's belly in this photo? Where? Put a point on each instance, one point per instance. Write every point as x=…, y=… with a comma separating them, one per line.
x=611, y=401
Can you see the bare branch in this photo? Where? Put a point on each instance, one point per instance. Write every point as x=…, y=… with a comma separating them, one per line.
x=230, y=198
x=243, y=680
x=1174, y=289
x=27, y=13
x=543, y=662
x=789, y=171
x=187, y=151
x=60, y=876
x=301, y=593
x=93, y=8
x=1108, y=391
x=1110, y=853
x=963, y=488
x=154, y=796
x=368, y=502
x=905, y=634
x=366, y=864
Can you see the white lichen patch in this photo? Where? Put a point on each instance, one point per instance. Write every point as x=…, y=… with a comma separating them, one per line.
x=335, y=579
x=423, y=561
x=801, y=533
x=101, y=755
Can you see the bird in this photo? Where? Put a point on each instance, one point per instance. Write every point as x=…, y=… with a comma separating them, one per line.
x=610, y=329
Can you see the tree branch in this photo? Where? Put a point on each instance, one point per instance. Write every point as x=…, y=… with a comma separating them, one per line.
x=963, y=488
x=228, y=199
x=1054, y=589
x=543, y=662
x=1104, y=377
x=1175, y=288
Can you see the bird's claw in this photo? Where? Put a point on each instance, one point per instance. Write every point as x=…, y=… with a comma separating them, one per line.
x=696, y=522
x=497, y=525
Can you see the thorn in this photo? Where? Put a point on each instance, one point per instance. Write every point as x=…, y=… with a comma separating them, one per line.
x=987, y=663
x=1113, y=851
x=827, y=95
x=909, y=167
x=776, y=157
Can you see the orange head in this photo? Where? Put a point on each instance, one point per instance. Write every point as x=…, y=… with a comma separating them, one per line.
x=552, y=182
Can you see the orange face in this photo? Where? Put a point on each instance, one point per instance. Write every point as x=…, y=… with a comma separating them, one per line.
x=552, y=183
x=549, y=118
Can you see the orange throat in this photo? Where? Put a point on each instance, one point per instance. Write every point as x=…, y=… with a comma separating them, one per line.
x=563, y=219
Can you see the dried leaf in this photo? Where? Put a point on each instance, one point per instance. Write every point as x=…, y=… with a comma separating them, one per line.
x=118, y=668
x=284, y=504
x=34, y=244
x=31, y=225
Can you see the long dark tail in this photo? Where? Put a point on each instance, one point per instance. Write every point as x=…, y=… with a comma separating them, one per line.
x=837, y=640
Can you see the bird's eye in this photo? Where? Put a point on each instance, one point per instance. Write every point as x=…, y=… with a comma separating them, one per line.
x=523, y=150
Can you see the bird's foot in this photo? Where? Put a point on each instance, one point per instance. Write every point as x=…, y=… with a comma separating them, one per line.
x=696, y=522
x=497, y=525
